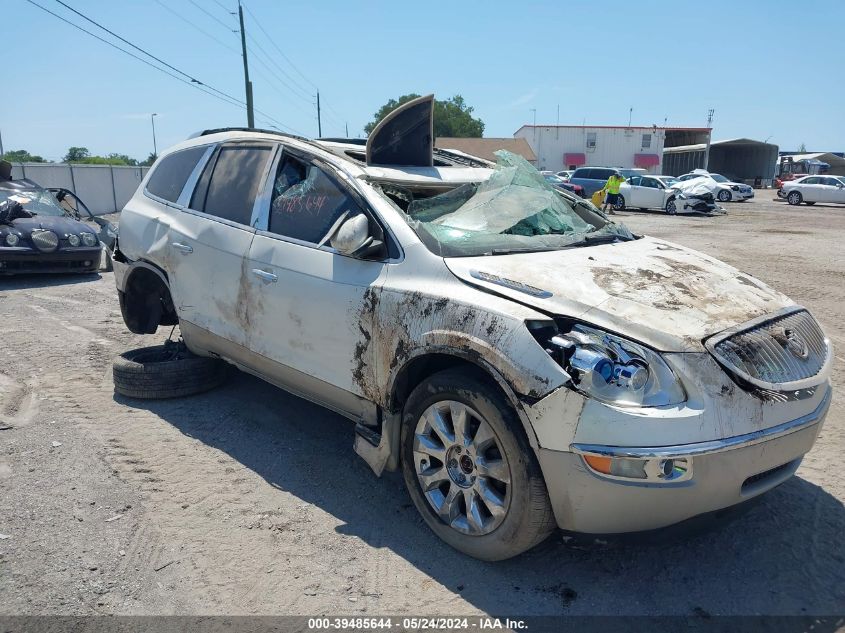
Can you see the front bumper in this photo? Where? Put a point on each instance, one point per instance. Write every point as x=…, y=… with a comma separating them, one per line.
x=723, y=473
x=72, y=260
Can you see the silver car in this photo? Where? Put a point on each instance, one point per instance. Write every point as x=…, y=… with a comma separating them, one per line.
x=524, y=361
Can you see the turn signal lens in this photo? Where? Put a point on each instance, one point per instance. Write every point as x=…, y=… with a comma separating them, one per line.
x=601, y=464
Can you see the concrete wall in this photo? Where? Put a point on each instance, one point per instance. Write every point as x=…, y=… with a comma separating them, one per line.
x=615, y=146
x=103, y=188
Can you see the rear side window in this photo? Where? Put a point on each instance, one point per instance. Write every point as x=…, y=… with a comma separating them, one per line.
x=172, y=172
x=230, y=184
x=581, y=173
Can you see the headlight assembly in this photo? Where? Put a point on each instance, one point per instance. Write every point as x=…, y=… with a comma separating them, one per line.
x=614, y=370
x=73, y=239
x=12, y=239
x=89, y=239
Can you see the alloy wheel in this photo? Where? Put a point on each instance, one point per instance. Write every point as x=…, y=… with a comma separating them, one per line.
x=461, y=468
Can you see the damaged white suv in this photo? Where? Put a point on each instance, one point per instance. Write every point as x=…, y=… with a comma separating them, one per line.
x=524, y=361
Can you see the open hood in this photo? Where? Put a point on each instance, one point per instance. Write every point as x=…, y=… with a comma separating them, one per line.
x=661, y=294
x=405, y=136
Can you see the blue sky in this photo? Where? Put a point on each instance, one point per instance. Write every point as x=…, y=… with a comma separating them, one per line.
x=770, y=69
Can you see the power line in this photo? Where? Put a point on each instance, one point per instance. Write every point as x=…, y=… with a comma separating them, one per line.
x=194, y=26
x=305, y=97
x=222, y=6
x=276, y=46
x=138, y=48
x=213, y=17
x=194, y=83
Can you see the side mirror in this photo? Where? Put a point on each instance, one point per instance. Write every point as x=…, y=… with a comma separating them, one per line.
x=352, y=236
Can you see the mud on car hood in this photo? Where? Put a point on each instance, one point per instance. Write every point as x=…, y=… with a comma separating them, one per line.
x=661, y=294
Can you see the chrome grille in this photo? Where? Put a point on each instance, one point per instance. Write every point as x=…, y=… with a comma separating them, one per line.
x=45, y=240
x=781, y=353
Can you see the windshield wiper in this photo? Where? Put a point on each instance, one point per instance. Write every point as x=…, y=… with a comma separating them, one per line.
x=511, y=251
x=605, y=238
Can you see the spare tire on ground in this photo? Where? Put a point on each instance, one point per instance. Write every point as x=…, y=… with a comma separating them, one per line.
x=165, y=371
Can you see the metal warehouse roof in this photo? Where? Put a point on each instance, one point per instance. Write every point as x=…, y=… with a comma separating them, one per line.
x=485, y=147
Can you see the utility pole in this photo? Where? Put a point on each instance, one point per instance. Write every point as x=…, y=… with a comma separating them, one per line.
x=710, y=113
x=2, y=153
x=630, y=114
x=153, y=123
x=319, y=123
x=347, y=130
x=250, y=115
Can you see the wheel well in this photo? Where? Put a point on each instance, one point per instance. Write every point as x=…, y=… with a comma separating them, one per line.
x=421, y=367
x=146, y=302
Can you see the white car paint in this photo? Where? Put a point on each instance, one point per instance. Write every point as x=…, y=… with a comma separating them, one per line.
x=723, y=189
x=340, y=330
x=814, y=189
x=646, y=192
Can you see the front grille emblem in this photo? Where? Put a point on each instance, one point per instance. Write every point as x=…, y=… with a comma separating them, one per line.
x=796, y=345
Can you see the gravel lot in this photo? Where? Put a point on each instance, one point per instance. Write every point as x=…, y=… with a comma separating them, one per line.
x=247, y=500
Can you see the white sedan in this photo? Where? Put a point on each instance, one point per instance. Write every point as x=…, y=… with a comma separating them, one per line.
x=725, y=190
x=813, y=189
x=648, y=192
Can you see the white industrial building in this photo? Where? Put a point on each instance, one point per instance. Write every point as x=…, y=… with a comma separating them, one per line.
x=560, y=147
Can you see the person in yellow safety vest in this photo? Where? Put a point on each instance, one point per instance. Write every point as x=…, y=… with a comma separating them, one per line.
x=611, y=187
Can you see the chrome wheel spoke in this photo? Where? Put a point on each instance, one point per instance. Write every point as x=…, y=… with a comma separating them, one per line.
x=438, y=424
x=429, y=446
x=495, y=468
x=433, y=477
x=460, y=418
x=474, y=517
x=450, y=508
x=483, y=437
x=491, y=498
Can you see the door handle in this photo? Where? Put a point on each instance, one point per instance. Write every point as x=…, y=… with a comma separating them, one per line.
x=263, y=274
x=185, y=248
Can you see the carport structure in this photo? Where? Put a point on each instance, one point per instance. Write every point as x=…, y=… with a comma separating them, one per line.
x=741, y=159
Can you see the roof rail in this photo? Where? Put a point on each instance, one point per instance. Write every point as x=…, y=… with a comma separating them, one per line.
x=337, y=139
x=246, y=129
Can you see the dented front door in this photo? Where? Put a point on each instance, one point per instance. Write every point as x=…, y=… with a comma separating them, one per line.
x=307, y=303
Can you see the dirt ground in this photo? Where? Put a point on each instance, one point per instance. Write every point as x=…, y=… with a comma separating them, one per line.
x=247, y=500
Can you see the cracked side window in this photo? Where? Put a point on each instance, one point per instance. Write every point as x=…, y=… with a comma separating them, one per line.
x=306, y=201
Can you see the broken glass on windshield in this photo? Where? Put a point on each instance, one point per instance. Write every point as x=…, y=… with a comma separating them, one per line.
x=514, y=209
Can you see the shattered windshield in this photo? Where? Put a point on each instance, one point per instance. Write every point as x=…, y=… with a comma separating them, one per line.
x=36, y=201
x=514, y=210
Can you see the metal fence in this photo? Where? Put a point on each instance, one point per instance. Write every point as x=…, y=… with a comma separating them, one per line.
x=103, y=188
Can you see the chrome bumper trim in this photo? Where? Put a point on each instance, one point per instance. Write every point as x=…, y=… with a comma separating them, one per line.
x=713, y=446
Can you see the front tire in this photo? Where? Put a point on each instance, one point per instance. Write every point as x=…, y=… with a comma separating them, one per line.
x=671, y=207
x=469, y=468
x=619, y=205
x=724, y=196
x=794, y=198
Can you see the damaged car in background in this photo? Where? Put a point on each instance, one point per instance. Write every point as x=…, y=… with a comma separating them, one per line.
x=50, y=231
x=523, y=360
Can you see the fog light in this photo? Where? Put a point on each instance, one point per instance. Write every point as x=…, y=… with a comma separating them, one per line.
x=667, y=467
x=86, y=263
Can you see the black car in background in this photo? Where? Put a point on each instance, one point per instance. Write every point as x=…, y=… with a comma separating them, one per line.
x=50, y=231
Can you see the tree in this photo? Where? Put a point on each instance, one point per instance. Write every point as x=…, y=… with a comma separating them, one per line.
x=802, y=148
x=22, y=156
x=149, y=160
x=452, y=117
x=76, y=154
